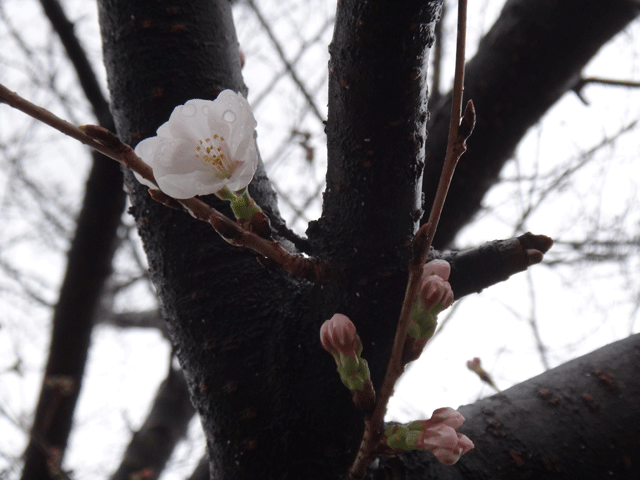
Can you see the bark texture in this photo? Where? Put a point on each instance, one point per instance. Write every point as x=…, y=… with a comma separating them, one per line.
x=577, y=421
x=270, y=402
x=246, y=336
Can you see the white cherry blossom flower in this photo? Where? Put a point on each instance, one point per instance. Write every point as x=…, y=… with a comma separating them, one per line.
x=205, y=146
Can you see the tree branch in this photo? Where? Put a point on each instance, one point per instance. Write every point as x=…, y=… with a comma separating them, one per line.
x=518, y=73
x=88, y=267
x=110, y=145
x=459, y=131
x=375, y=131
x=288, y=65
x=579, y=420
x=165, y=425
x=76, y=54
x=476, y=269
x=582, y=82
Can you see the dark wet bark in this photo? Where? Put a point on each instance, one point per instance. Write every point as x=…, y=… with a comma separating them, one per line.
x=579, y=420
x=270, y=402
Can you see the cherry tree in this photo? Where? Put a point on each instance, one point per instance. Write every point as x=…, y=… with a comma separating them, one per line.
x=245, y=299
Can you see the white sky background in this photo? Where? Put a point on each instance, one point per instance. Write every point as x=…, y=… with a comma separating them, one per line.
x=577, y=308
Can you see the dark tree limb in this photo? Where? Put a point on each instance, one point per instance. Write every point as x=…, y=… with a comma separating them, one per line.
x=145, y=319
x=76, y=54
x=270, y=402
x=375, y=130
x=472, y=271
x=201, y=472
x=88, y=267
x=579, y=420
x=247, y=336
x=165, y=425
x=478, y=268
x=530, y=58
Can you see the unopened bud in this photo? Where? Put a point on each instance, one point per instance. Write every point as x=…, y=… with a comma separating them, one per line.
x=339, y=337
x=476, y=367
x=435, y=295
x=437, y=435
x=439, y=267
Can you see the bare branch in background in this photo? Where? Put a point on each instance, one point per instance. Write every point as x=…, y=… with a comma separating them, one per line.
x=88, y=267
x=582, y=82
x=533, y=323
x=148, y=319
x=165, y=425
x=561, y=176
x=290, y=68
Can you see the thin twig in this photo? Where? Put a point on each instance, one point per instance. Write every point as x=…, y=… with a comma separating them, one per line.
x=107, y=143
x=459, y=131
x=287, y=64
x=301, y=51
x=533, y=323
x=582, y=82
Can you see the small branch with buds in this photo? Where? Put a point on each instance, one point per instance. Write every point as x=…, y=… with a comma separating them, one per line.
x=475, y=366
x=256, y=236
x=460, y=129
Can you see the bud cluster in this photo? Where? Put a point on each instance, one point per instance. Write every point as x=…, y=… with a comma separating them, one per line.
x=434, y=296
x=437, y=435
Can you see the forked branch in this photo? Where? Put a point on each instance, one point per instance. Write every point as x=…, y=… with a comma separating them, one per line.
x=110, y=145
x=460, y=129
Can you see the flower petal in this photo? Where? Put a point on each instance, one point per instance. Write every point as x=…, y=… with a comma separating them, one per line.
x=438, y=267
x=188, y=121
x=204, y=146
x=231, y=111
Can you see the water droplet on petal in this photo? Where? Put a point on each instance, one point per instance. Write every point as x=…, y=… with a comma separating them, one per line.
x=145, y=149
x=188, y=110
x=229, y=116
x=205, y=110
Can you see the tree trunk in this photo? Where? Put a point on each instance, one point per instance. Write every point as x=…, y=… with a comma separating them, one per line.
x=271, y=404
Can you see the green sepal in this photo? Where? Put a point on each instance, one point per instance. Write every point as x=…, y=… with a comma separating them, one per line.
x=423, y=322
x=353, y=370
x=403, y=437
x=243, y=205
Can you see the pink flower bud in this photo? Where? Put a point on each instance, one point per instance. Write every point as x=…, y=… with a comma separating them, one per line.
x=339, y=336
x=441, y=268
x=448, y=416
x=440, y=438
x=436, y=292
x=474, y=365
